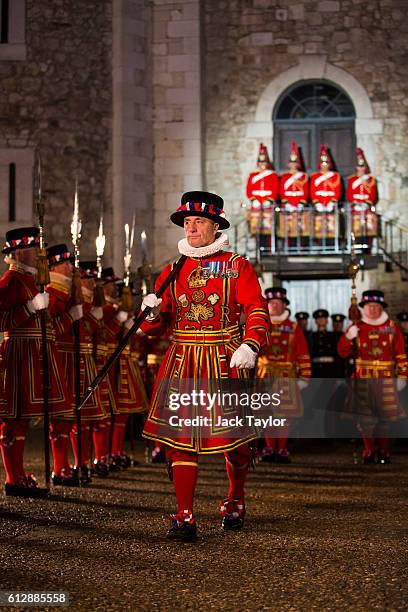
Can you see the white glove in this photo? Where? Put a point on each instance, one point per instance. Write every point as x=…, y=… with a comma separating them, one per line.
x=243, y=357
x=76, y=312
x=39, y=302
x=302, y=383
x=352, y=332
x=129, y=323
x=401, y=384
x=121, y=316
x=154, y=303
x=97, y=312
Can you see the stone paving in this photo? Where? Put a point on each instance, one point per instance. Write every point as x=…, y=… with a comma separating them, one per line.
x=321, y=534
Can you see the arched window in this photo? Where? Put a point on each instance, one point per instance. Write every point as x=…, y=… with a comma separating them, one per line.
x=314, y=113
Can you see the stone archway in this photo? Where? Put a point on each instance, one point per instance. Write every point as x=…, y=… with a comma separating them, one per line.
x=313, y=67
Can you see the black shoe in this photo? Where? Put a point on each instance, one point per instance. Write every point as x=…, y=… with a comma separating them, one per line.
x=158, y=456
x=116, y=463
x=283, y=456
x=63, y=479
x=100, y=468
x=233, y=514
x=383, y=458
x=368, y=459
x=183, y=528
x=83, y=475
x=126, y=461
x=268, y=455
x=27, y=487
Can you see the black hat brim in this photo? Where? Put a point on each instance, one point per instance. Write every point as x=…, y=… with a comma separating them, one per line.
x=178, y=218
x=383, y=304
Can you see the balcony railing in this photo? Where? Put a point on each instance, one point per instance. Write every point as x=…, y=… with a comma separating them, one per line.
x=309, y=232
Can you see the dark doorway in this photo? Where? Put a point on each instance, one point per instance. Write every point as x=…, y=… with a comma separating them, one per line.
x=314, y=113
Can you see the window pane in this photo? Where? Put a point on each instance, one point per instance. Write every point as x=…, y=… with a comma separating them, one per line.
x=314, y=100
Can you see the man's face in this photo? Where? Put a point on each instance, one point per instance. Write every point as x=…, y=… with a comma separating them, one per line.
x=292, y=167
x=263, y=165
x=110, y=290
x=338, y=326
x=200, y=231
x=404, y=326
x=28, y=257
x=302, y=324
x=321, y=323
x=275, y=308
x=372, y=310
x=324, y=167
x=65, y=268
x=360, y=170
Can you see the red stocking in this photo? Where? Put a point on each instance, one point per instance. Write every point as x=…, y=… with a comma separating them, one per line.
x=119, y=425
x=185, y=469
x=236, y=462
x=99, y=439
x=84, y=443
x=59, y=435
x=12, y=439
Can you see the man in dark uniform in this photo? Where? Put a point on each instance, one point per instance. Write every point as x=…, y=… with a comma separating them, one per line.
x=339, y=363
x=302, y=319
x=322, y=347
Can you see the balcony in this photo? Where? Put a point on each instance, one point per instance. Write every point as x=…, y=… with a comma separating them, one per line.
x=308, y=243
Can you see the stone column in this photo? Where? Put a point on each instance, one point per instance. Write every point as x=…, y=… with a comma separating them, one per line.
x=177, y=111
x=131, y=132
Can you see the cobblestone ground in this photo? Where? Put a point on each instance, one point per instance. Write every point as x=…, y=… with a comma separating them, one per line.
x=321, y=534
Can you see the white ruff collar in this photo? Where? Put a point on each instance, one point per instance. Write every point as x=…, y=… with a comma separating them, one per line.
x=61, y=279
x=190, y=251
x=111, y=300
x=19, y=266
x=87, y=292
x=380, y=321
x=281, y=318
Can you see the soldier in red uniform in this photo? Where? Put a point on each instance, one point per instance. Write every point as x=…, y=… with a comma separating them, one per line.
x=64, y=313
x=94, y=413
x=286, y=360
x=380, y=360
x=263, y=191
x=202, y=307
x=21, y=389
x=294, y=223
x=325, y=193
x=362, y=196
x=126, y=381
x=156, y=347
x=294, y=188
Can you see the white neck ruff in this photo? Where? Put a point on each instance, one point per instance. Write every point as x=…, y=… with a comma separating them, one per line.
x=87, y=292
x=61, y=279
x=18, y=265
x=219, y=243
x=380, y=321
x=111, y=300
x=281, y=318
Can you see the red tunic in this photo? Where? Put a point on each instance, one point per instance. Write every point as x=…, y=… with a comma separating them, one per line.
x=202, y=307
x=60, y=303
x=262, y=190
x=285, y=358
x=126, y=381
x=380, y=358
x=325, y=188
x=21, y=382
x=362, y=190
x=294, y=189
